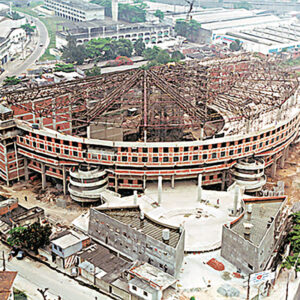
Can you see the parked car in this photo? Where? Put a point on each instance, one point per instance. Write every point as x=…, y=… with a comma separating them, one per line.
x=20, y=255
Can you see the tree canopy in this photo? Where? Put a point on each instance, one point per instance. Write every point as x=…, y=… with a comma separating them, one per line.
x=73, y=53
x=236, y=45
x=135, y=13
x=139, y=46
x=32, y=237
x=94, y=71
x=11, y=80
x=159, y=14
x=68, y=68
x=189, y=29
x=293, y=260
x=28, y=28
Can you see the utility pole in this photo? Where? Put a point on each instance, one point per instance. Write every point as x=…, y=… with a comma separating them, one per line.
x=248, y=288
x=3, y=261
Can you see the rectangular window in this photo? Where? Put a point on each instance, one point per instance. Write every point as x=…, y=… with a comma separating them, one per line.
x=195, y=157
x=254, y=147
x=260, y=145
x=134, y=159
x=231, y=152
x=205, y=147
x=75, y=153
x=42, y=146
x=214, y=146
x=165, y=159
x=196, y=148
x=155, y=150
x=134, y=288
x=186, y=149
x=144, y=159
x=145, y=150
x=124, y=158
x=57, y=150
x=222, y=153
x=185, y=158
x=214, y=155
x=50, y=148
x=145, y=294
x=176, y=149
x=166, y=150
x=204, y=156
x=175, y=158
x=239, y=150
x=246, y=149
x=66, y=151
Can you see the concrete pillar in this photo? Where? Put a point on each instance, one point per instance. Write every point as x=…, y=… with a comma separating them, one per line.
x=201, y=133
x=273, y=168
x=282, y=160
x=64, y=180
x=223, y=181
x=88, y=132
x=135, y=197
x=26, y=172
x=114, y=10
x=173, y=181
x=144, y=182
x=43, y=169
x=159, y=189
x=116, y=183
x=199, y=194
x=236, y=199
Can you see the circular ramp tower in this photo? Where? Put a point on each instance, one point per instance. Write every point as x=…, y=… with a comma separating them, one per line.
x=87, y=183
x=249, y=174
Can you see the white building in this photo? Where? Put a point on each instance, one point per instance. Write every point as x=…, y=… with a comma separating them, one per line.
x=12, y=38
x=75, y=10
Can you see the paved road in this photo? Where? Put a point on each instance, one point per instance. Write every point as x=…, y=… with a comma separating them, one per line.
x=33, y=275
x=19, y=66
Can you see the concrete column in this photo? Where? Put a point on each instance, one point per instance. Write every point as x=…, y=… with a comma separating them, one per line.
x=273, y=168
x=159, y=189
x=201, y=133
x=282, y=160
x=144, y=182
x=173, y=181
x=199, y=194
x=64, y=180
x=26, y=173
x=116, y=183
x=43, y=175
x=135, y=197
x=236, y=199
x=223, y=181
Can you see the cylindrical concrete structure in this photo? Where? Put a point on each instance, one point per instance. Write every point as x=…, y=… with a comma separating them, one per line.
x=159, y=188
x=199, y=196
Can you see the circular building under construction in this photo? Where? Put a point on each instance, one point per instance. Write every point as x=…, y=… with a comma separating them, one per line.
x=227, y=119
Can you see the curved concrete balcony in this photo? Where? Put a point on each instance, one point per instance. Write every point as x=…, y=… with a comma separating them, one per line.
x=254, y=176
x=88, y=184
x=251, y=164
x=84, y=173
x=252, y=185
x=89, y=195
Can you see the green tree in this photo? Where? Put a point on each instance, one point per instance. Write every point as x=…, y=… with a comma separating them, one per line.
x=28, y=28
x=73, y=53
x=151, y=54
x=11, y=80
x=159, y=14
x=139, y=47
x=15, y=16
x=163, y=57
x=189, y=29
x=236, y=45
x=243, y=4
x=130, y=13
x=94, y=71
x=177, y=55
x=68, y=68
x=32, y=237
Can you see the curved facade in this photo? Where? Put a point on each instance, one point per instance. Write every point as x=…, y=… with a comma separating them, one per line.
x=178, y=142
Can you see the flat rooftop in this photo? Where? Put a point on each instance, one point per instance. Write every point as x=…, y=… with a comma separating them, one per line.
x=152, y=275
x=263, y=210
x=7, y=279
x=80, y=5
x=69, y=239
x=131, y=216
x=107, y=263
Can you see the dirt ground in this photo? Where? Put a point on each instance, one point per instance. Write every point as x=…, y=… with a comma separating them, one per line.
x=45, y=199
x=290, y=174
